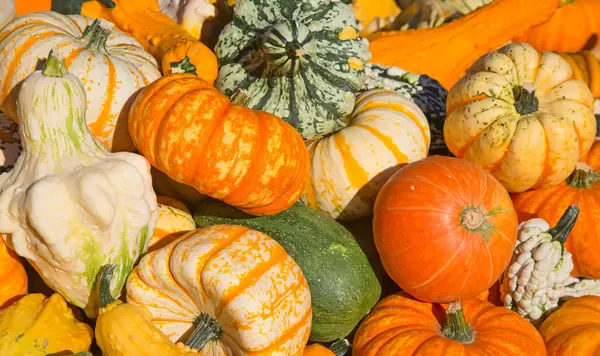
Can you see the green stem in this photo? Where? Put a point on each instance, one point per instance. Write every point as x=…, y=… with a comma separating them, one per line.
x=565, y=2
x=583, y=177
x=240, y=97
x=207, y=329
x=525, y=100
x=183, y=66
x=106, y=275
x=96, y=36
x=563, y=228
x=55, y=66
x=340, y=347
x=456, y=326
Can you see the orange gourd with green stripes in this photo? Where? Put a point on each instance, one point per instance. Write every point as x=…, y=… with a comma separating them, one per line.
x=110, y=64
x=386, y=131
x=240, y=281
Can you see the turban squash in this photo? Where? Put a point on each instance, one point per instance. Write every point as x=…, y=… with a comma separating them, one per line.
x=190, y=131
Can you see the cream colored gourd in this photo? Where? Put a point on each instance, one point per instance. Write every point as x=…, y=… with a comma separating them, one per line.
x=7, y=12
x=520, y=115
x=386, y=131
x=10, y=143
x=190, y=14
x=236, y=280
x=69, y=206
x=174, y=219
x=111, y=65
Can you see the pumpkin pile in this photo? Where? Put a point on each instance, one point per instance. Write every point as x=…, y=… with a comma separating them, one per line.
x=308, y=177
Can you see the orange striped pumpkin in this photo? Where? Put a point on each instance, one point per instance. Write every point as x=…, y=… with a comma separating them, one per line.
x=249, y=159
x=13, y=278
x=174, y=220
x=110, y=64
x=243, y=280
x=386, y=131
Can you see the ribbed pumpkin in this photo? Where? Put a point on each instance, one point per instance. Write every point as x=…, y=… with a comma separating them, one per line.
x=251, y=295
x=520, y=115
x=402, y=326
x=174, y=220
x=574, y=329
x=12, y=275
x=249, y=159
x=573, y=27
x=10, y=143
x=301, y=60
x=8, y=12
x=110, y=64
x=581, y=188
x=386, y=131
x=586, y=68
x=444, y=229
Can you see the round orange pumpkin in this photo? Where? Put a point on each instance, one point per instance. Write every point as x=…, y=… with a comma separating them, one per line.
x=401, y=326
x=444, y=229
x=13, y=278
x=574, y=329
x=250, y=159
x=582, y=188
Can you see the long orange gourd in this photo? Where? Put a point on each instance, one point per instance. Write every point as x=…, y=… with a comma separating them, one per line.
x=160, y=35
x=446, y=52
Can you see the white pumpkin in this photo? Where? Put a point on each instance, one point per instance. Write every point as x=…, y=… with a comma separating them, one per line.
x=111, y=65
x=386, y=131
x=190, y=14
x=7, y=12
x=10, y=143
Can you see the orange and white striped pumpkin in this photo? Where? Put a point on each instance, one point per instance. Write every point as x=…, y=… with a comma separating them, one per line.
x=241, y=278
x=7, y=12
x=174, y=220
x=386, y=131
x=111, y=65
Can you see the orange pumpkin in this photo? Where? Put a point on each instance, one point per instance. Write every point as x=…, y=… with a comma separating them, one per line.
x=573, y=27
x=12, y=276
x=574, y=329
x=249, y=159
x=400, y=326
x=338, y=348
x=444, y=229
x=582, y=188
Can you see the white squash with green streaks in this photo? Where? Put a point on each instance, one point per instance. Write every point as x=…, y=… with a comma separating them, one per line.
x=301, y=60
x=69, y=206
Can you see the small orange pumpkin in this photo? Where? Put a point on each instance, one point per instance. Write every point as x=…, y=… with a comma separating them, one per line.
x=338, y=348
x=250, y=159
x=12, y=276
x=402, y=326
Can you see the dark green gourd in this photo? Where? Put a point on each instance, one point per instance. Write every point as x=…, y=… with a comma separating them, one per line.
x=343, y=285
x=301, y=60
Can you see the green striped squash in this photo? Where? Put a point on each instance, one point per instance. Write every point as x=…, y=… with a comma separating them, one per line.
x=301, y=60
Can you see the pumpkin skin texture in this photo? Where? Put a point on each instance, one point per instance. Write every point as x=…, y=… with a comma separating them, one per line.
x=574, y=329
x=325, y=252
x=249, y=159
x=241, y=278
x=301, y=60
x=444, y=228
x=520, y=115
x=586, y=68
x=386, y=131
x=402, y=326
x=38, y=326
x=110, y=75
x=174, y=220
x=8, y=12
x=12, y=275
x=10, y=143
x=461, y=41
x=582, y=189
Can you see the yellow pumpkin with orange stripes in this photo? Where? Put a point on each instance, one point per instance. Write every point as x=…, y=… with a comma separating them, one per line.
x=386, y=131
x=240, y=281
x=110, y=64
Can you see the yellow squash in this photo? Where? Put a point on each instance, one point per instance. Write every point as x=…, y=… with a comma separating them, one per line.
x=586, y=68
x=36, y=325
x=174, y=219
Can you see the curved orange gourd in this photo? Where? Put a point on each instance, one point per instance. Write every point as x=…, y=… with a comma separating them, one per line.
x=582, y=188
x=574, y=329
x=402, y=326
x=249, y=159
x=13, y=278
x=444, y=229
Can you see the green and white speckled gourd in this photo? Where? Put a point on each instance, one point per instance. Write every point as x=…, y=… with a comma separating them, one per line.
x=69, y=206
x=301, y=60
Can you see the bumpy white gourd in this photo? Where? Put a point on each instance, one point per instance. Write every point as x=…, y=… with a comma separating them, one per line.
x=69, y=206
x=190, y=14
x=7, y=12
x=539, y=270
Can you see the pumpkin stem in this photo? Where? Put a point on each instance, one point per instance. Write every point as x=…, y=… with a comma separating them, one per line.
x=340, y=347
x=207, y=329
x=456, y=326
x=106, y=275
x=525, y=100
x=55, y=66
x=472, y=218
x=563, y=228
x=284, y=55
x=183, y=66
x=240, y=97
x=583, y=177
x=96, y=36
x=565, y=2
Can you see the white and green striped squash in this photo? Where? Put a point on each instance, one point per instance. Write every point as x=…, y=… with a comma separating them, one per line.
x=301, y=60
